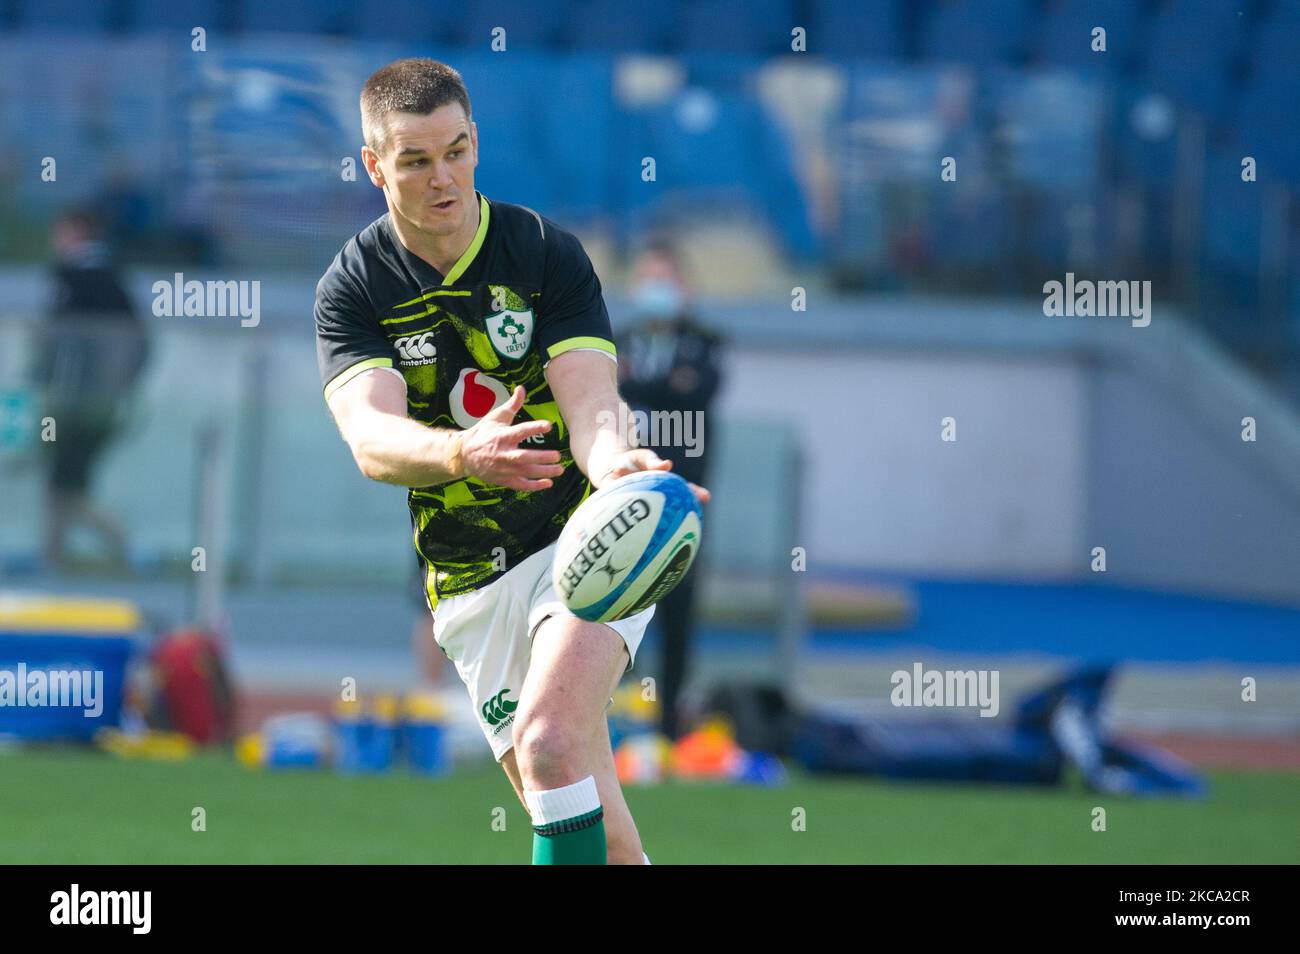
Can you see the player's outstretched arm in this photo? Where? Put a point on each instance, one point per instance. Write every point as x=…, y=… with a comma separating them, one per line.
x=583, y=383
x=390, y=447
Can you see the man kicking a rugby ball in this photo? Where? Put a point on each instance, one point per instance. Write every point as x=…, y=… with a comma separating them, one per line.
x=466, y=354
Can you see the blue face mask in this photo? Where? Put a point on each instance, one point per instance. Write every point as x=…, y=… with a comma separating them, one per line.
x=658, y=299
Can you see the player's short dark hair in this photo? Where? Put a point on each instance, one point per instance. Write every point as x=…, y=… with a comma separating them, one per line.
x=416, y=85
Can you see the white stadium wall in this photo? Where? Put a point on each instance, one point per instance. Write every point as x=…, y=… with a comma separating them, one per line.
x=883, y=491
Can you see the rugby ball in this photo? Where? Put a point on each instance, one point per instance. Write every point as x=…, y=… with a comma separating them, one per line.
x=627, y=546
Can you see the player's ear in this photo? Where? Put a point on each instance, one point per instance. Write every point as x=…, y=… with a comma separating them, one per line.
x=371, y=161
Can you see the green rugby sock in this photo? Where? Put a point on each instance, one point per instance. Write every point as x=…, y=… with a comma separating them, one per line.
x=568, y=825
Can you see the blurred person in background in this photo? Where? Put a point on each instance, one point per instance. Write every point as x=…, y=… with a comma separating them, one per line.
x=668, y=361
x=94, y=349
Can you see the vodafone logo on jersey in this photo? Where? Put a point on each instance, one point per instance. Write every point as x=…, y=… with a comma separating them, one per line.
x=474, y=394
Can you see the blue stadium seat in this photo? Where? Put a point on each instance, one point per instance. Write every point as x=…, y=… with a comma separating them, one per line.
x=981, y=32
x=528, y=24
x=577, y=140
x=63, y=16
x=619, y=27
x=868, y=28
x=712, y=151
x=1064, y=36
x=1189, y=52
x=145, y=16
x=1141, y=154
x=298, y=16
x=509, y=97
x=1276, y=43
x=1266, y=128
x=735, y=26
x=400, y=21
x=1233, y=213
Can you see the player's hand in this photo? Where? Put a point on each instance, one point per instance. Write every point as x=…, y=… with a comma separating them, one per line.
x=490, y=450
x=642, y=458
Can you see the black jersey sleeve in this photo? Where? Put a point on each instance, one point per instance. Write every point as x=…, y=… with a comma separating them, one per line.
x=348, y=337
x=571, y=312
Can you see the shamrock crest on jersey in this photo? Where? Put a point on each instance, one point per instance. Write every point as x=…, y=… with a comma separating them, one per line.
x=511, y=332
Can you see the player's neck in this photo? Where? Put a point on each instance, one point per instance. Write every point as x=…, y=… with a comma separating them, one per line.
x=442, y=252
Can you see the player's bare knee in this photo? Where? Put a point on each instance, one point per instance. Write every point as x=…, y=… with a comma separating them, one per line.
x=550, y=752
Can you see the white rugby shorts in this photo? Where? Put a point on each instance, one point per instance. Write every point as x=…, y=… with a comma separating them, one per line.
x=488, y=634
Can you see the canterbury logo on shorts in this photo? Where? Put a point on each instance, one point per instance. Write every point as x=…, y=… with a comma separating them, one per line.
x=497, y=709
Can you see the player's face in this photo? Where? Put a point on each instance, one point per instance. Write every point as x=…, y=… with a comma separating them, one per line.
x=428, y=169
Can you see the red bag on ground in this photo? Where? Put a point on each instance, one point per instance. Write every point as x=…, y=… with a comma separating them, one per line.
x=194, y=688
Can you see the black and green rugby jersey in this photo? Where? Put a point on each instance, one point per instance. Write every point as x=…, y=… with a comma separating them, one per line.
x=523, y=292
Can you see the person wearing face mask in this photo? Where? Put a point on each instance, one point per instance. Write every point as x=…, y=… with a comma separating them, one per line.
x=669, y=362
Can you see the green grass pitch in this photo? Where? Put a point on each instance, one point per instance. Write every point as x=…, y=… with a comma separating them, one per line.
x=69, y=806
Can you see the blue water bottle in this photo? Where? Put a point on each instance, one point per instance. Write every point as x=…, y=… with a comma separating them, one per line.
x=425, y=738
x=350, y=732
x=380, y=744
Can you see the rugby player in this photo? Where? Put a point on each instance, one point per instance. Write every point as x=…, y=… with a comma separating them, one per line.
x=466, y=354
